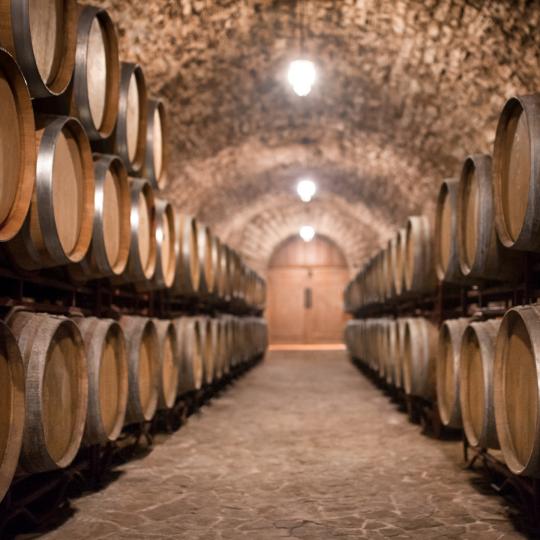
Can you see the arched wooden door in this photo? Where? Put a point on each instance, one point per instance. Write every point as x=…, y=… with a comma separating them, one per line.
x=305, y=290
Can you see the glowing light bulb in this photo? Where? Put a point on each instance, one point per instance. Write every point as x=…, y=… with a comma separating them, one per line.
x=306, y=189
x=307, y=233
x=301, y=76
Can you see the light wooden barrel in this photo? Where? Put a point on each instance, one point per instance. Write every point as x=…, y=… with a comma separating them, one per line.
x=476, y=372
x=236, y=274
x=419, y=357
x=41, y=34
x=446, y=250
x=481, y=255
x=58, y=227
x=170, y=362
x=517, y=389
x=207, y=351
x=189, y=336
x=516, y=173
x=142, y=257
x=156, y=157
x=106, y=356
x=207, y=250
x=224, y=277
x=400, y=346
x=109, y=248
x=448, y=358
x=392, y=352
x=401, y=255
x=17, y=148
x=96, y=79
x=56, y=389
x=390, y=263
x=130, y=134
x=187, y=276
x=419, y=268
x=217, y=332
x=228, y=343
x=144, y=368
x=12, y=409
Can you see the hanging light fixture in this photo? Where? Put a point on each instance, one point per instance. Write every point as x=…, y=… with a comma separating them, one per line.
x=301, y=76
x=307, y=233
x=306, y=189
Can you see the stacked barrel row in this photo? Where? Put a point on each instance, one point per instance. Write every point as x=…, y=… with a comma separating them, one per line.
x=85, y=161
x=72, y=382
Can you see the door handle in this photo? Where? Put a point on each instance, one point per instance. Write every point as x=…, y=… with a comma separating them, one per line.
x=308, y=298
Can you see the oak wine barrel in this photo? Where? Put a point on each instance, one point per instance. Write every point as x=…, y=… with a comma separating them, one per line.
x=476, y=372
x=192, y=371
x=130, y=133
x=224, y=276
x=41, y=35
x=448, y=359
x=143, y=368
x=517, y=389
x=207, y=249
x=56, y=389
x=96, y=79
x=58, y=228
x=419, y=357
x=12, y=408
x=106, y=355
x=156, y=158
x=516, y=173
x=109, y=248
x=481, y=255
x=169, y=359
x=217, y=333
x=17, y=148
x=419, y=265
x=186, y=280
x=207, y=351
x=399, y=273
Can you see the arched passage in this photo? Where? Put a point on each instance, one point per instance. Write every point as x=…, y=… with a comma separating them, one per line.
x=305, y=282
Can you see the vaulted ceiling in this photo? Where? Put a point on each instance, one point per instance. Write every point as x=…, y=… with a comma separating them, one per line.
x=406, y=89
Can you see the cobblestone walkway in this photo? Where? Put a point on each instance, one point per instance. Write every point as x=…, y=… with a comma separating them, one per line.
x=302, y=447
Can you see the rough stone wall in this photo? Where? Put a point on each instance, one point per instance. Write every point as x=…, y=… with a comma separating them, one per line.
x=406, y=89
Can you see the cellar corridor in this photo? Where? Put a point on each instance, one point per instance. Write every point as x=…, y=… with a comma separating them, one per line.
x=302, y=447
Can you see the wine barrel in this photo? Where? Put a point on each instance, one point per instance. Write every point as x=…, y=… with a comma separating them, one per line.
x=53, y=353
x=107, y=362
x=96, y=79
x=390, y=262
x=17, y=148
x=142, y=257
x=516, y=173
x=58, y=227
x=224, y=277
x=391, y=352
x=207, y=351
x=399, y=274
x=517, y=390
x=228, y=343
x=476, y=371
x=236, y=274
x=481, y=255
x=186, y=280
x=109, y=248
x=400, y=353
x=419, y=267
x=448, y=358
x=446, y=250
x=207, y=249
x=143, y=368
x=156, y=158
x=169, y=359
x=419, y=357
x=41, y=34
x=12, y=407
x=217, y=332
x=192, y=371
x=130, y=134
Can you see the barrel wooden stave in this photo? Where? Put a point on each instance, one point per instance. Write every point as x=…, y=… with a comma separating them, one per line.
x=186, y=280
x=192, y=371
x=170, y=362
x=156, y=156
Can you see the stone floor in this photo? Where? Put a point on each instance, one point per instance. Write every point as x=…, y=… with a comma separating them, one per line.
x=302, y=447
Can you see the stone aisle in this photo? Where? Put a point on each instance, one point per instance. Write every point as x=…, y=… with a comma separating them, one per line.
x=302, y=447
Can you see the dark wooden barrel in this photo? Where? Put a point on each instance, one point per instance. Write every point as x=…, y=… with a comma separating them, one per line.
x=446, y=249
x=516, y=173
x=143, y=368
x=481, y=255
x=109, y=249
x=41, y=34
x=17, y=147
x=419, y=267
x=476, y=372
x=218, y=346
x=517, y=390
x=96, y=79
x=156, y=158
x=399, y=274
x=448, y=359
x=170, y=362
x=12, y=409
x=130, y=133
x=187, y=276
x=58, y=228
x=53, y=353
x=189, y=337
x=106, y=356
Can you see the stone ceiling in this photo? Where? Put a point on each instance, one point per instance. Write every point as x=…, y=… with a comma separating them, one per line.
x=406, y=89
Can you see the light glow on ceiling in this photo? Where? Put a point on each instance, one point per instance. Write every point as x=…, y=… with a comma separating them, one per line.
x=301, y=76
x=306, y=189
x=307, y=233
